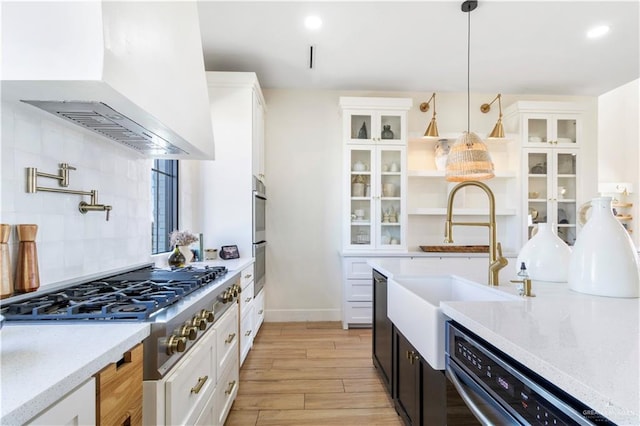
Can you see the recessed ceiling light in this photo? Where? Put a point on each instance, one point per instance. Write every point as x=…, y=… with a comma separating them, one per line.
x=312, y=22
x=598, y=31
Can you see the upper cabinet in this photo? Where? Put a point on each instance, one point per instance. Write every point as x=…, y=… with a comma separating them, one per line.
x=375, y=173
x=546, y=124
x=375, y=120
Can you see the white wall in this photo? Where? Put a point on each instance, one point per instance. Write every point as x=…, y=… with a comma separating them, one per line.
x=619, y=142
x=71, y=244
x=303, y=144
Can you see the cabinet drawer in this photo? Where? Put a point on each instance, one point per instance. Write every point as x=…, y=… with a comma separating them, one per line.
x=359, y=290
x=357, y=267
x=246, y=276
x=359, y=312
x=246, y=299
x=190, y=385
x=77, y=408
x=258, y=311
x=227, y=339
x=246, y=334
x=226, y=391
x=119, y=390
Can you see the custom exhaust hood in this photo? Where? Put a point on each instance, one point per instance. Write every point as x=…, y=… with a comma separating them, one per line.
x=130, y=71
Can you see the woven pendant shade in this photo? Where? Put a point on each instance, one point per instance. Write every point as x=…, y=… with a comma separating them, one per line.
x=469, y=159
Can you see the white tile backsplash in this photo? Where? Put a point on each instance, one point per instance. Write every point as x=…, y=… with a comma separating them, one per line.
x=71, y=244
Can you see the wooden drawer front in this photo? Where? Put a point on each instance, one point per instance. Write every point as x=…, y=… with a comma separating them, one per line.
x=228, y=338
x=258, y=311
x=191, y=383
x=359, y=290
x=119, y=391
x=246, y=297
x=246, y=334
x=226, y=391
x=356, y=267
x=246, y=276
x=359, y=312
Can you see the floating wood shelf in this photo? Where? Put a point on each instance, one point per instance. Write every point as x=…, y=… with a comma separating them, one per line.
x=455, y=249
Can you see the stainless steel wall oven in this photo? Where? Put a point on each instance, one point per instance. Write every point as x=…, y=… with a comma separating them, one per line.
x=259, y=234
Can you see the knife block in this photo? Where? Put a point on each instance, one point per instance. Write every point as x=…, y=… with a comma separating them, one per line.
x=6, y=281
x=27, y=275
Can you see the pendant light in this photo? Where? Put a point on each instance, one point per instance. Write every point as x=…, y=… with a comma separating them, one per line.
x=469, y=158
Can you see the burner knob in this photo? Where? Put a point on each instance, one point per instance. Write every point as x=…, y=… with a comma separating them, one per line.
x=198, y=322
x=207, y=315
x=188, y=331
x=176, y=344
x=235, y=290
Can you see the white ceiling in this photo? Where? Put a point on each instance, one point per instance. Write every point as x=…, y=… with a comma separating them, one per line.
x=517, y=47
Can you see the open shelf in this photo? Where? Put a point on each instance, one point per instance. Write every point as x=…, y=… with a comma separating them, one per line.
x=459, y=212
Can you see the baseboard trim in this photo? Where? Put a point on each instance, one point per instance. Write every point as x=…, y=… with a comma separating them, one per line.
x=295, y=315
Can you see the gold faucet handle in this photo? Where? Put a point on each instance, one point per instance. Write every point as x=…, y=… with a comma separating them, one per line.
x=526, y=283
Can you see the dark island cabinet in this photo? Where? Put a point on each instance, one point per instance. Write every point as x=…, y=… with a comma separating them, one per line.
x=382, y=331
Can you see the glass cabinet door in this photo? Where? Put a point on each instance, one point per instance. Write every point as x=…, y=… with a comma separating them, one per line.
x=551, y=191
x=551, y=130
x=361, y=202
x=367, y=127
x=390, y=187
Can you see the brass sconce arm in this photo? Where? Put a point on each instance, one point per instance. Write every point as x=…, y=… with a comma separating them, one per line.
x=498, y=129
x=432, y=129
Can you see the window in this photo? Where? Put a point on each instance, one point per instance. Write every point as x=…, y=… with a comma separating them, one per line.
x=164, y=193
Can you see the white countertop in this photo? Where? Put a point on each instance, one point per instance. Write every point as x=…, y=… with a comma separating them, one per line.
x=586, y=345
x=42, y=363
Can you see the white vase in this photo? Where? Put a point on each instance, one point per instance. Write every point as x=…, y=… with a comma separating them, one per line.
x=187, y=253
x=545, y=255
x=442, y=149
x=604, y=261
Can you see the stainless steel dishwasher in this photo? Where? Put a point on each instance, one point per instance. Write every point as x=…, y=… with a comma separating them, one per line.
x=501, y=391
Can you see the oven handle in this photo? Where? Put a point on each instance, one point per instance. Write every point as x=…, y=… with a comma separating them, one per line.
x=469, y=401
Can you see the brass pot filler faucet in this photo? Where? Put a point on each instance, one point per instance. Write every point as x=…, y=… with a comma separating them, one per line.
x=63, y=180
x=496, y=260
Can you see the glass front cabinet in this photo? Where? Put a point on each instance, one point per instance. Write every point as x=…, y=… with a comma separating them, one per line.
x=376, y=184
x=375, y=165
x=551, y=188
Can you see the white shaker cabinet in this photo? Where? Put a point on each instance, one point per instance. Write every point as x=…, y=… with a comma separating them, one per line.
x=247, y=320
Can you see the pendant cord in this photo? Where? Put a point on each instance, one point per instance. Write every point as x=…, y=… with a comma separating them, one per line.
x=468, y=70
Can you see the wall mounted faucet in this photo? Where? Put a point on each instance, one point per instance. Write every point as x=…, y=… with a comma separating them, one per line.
x=63, y=179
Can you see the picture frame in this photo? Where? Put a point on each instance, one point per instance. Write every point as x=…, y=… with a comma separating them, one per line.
x=229, y=252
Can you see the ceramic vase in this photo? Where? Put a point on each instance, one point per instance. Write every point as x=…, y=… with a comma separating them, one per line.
x=187, y=253
x=604, y=261
x=442, y=149
x=545, y=255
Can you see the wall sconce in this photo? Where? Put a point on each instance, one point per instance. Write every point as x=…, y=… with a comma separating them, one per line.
x=498, y=130
x=432, y=129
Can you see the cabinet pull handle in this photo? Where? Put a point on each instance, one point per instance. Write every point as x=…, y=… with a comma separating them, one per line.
x=200, y=384
x=248, y=276
x=260, y=312
x=248, y=299
x=230, y=338
x=230, y=388
x=248, y=333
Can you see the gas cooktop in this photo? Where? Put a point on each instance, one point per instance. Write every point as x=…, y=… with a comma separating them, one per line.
x=134, y=295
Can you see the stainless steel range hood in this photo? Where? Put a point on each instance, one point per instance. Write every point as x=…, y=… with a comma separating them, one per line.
x=130, y=71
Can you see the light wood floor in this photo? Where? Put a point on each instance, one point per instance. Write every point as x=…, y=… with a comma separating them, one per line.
x=312, y=373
